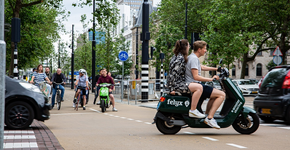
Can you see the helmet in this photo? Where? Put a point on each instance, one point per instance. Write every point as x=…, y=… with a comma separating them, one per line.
x=83, y=71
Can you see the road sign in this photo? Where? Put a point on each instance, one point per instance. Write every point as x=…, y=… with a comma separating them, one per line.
x=277, y=60
x=123, y=56
x=277, y=52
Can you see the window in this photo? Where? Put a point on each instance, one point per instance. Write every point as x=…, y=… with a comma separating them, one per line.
x=234, y=71
x=247, y=70
x=259, y=54
x=259, y=70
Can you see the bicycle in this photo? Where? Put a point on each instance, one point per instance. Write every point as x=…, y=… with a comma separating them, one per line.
x=58, y=97
x=78, y=100
x=43, y=88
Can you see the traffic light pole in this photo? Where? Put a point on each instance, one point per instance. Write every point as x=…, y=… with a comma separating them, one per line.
x=145, y=54
x=72, y=59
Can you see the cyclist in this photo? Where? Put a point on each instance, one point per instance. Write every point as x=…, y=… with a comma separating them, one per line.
x=57, y=77
x=39, y=76
x=82, y=82
x=104, y=78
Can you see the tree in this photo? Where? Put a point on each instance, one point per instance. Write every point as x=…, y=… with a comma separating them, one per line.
x=107, y=18
x=122, y=45
x=36, y=36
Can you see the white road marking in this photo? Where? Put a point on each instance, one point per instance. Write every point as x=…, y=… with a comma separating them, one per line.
x=105, y=113
x=19, y=137
x=138, y=121
x=129, y=119
x=21, y=145
x=147, y=123
x=13, y=131
x=123, y=117
x=68, y=114
x=188, y=133
x=235, y=145
x=95, y=110
x=111, y=115
x=288, y=128
x=208, y=138
x=116, y=116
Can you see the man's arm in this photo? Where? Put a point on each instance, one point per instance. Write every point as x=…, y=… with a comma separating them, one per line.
x=200, y=78
x=206, y=68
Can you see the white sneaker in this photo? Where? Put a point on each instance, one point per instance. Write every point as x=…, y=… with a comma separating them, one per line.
x=114, y=109
x=74, y=105
x=196, y=114
x=212, y=123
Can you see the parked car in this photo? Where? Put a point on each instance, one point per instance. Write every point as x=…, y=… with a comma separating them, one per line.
x=273, y=101
x=248, y=87
x=23, y=103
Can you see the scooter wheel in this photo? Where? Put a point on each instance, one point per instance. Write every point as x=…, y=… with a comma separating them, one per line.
x=166, y=128
x=246, y=125
x=102, y=105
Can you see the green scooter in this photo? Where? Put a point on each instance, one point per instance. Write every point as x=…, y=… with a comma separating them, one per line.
x=104, y=96
x=172, y=111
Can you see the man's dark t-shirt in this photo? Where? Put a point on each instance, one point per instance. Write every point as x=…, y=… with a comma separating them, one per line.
x=106, y=79
x=58, y=78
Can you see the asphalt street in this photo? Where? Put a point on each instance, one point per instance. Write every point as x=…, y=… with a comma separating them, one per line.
x=131, y=128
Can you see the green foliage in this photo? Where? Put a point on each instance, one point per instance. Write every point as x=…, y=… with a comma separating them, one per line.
x=122, y=45
x=231, y=27
x=39, y=30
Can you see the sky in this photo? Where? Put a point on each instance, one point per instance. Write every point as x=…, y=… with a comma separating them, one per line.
x=74, y=19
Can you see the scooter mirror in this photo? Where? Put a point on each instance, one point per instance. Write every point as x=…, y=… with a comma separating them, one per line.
x=221, y=61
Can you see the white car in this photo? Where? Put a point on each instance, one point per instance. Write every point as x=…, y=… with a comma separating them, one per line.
x=248, y=87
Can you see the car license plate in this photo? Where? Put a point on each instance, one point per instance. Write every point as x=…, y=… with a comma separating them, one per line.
x=255, y=92
x=266, y=111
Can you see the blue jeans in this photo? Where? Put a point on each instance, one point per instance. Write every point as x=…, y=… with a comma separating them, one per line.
x=54, y=92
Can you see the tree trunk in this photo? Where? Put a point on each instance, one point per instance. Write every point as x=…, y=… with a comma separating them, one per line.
x=282, y=44
x=244, y=63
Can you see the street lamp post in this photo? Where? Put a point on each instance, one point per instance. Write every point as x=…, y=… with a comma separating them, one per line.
x=58, y=53
x=93, y=49
x=72, y=59
x=185, y=36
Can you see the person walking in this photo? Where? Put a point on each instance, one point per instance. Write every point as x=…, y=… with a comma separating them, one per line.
x=96, y=87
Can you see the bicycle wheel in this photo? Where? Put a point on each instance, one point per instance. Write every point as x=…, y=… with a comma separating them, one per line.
x=58, y=100
x=77, y=103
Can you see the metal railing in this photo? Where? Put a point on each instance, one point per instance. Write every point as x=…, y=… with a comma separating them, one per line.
x=132, y=89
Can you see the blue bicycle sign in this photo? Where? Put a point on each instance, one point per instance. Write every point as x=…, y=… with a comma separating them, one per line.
x=123, y=56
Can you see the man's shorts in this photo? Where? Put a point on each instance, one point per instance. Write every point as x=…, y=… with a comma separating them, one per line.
x=207, y=90
x=83, y=89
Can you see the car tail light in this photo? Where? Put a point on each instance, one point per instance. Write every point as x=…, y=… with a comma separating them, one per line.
x=286, y=83
x=162, y=99
x=260, y=82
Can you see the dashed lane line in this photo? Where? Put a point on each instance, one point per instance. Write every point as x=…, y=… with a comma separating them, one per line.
x=208, y=138
x=147, y=123
x=235, y=145
x=188, y=133
x=211, y=139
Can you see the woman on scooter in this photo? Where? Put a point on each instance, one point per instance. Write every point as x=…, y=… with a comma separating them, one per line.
x=176, y=77
x=193, y=75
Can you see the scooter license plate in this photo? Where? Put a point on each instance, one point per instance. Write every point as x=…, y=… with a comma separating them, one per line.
x=266, y=111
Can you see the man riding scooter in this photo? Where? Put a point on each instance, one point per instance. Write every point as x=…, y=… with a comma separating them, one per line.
x=193, y=74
